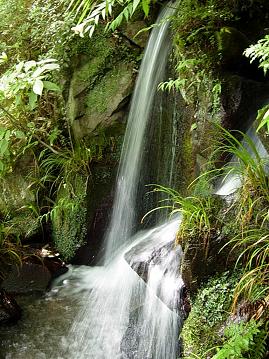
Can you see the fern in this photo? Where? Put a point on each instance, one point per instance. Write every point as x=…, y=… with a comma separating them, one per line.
x=90, y=13
x=260, y=52
x=244, y=341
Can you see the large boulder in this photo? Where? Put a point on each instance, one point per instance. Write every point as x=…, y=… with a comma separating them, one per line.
x=102, y=105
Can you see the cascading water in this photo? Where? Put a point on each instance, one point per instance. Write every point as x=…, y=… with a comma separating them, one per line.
x=121, y=319
x=130, y=308
x=150, y=75
x=126, y=318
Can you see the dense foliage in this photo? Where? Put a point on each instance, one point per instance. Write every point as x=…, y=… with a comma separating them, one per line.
x=36, y=44
x=38, y=146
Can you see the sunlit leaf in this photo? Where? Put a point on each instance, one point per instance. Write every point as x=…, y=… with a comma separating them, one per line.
x=38, y=87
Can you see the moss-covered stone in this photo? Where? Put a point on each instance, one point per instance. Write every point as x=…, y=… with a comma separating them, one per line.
x=103, y=104
x=93, y=59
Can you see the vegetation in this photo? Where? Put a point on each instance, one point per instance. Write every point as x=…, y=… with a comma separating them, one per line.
x=36, y=49
x=198, y=214
x=90, y=13
x=38, y=41
x=210, y=309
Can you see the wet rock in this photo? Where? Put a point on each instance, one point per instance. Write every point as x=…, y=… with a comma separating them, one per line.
x=231, y=44
x=29, y=277
x=10, y=312
x=131, y=344
x=55, y=266
x=165, y=257
x=132, y=32
x=102, y=105
x=93, y=249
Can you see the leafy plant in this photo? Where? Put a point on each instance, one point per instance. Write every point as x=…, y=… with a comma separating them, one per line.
x=251, y=205
x=22, y=84
x=210, y=309
x=243, y=340
x=253, y=246
x=198, y=214
x=89, y=13
x=260, y=52
x=263, y=118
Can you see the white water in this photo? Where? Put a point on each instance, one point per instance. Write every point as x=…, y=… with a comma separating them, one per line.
x=233, y=181
x=150, y=75
x=125, y=318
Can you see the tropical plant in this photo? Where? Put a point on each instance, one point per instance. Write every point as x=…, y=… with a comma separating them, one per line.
x=198, y=214
x=253, y=248
x=251, y=242
x=243, y=340
x=260, y=52
x=23, y=83
x=90, y=13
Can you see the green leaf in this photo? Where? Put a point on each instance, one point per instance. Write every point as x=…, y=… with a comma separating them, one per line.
x=38, y=87
x=7, y=134
x=51, y=86
x=263, y=117
x=28, y=65
x=19, y=66
x=2, y=133
x=19, y=134
x=135, y=4
x=145, y=7
x=32, y=100
x=45, y=68
x=3, y=147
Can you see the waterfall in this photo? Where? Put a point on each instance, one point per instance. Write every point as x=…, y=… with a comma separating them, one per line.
x=125, y=317
x=133, y=301
x=130, y=307
x=151, y=73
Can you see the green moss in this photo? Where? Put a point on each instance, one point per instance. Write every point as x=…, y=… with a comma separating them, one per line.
x=69, y=216
x=100, y=98
x=210, y=309
x=97, y=50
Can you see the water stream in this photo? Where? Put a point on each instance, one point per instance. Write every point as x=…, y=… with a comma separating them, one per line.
x=128, y=307
x=151, y=73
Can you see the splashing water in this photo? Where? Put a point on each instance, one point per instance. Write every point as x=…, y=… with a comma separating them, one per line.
x=129, y=308
x=127, y=318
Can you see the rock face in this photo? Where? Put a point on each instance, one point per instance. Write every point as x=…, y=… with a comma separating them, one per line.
x=10, y=312
x=166, y=260
x=102, y=105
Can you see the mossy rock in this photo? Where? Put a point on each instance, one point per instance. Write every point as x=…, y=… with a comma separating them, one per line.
x=93, y=59
x=103, y=104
